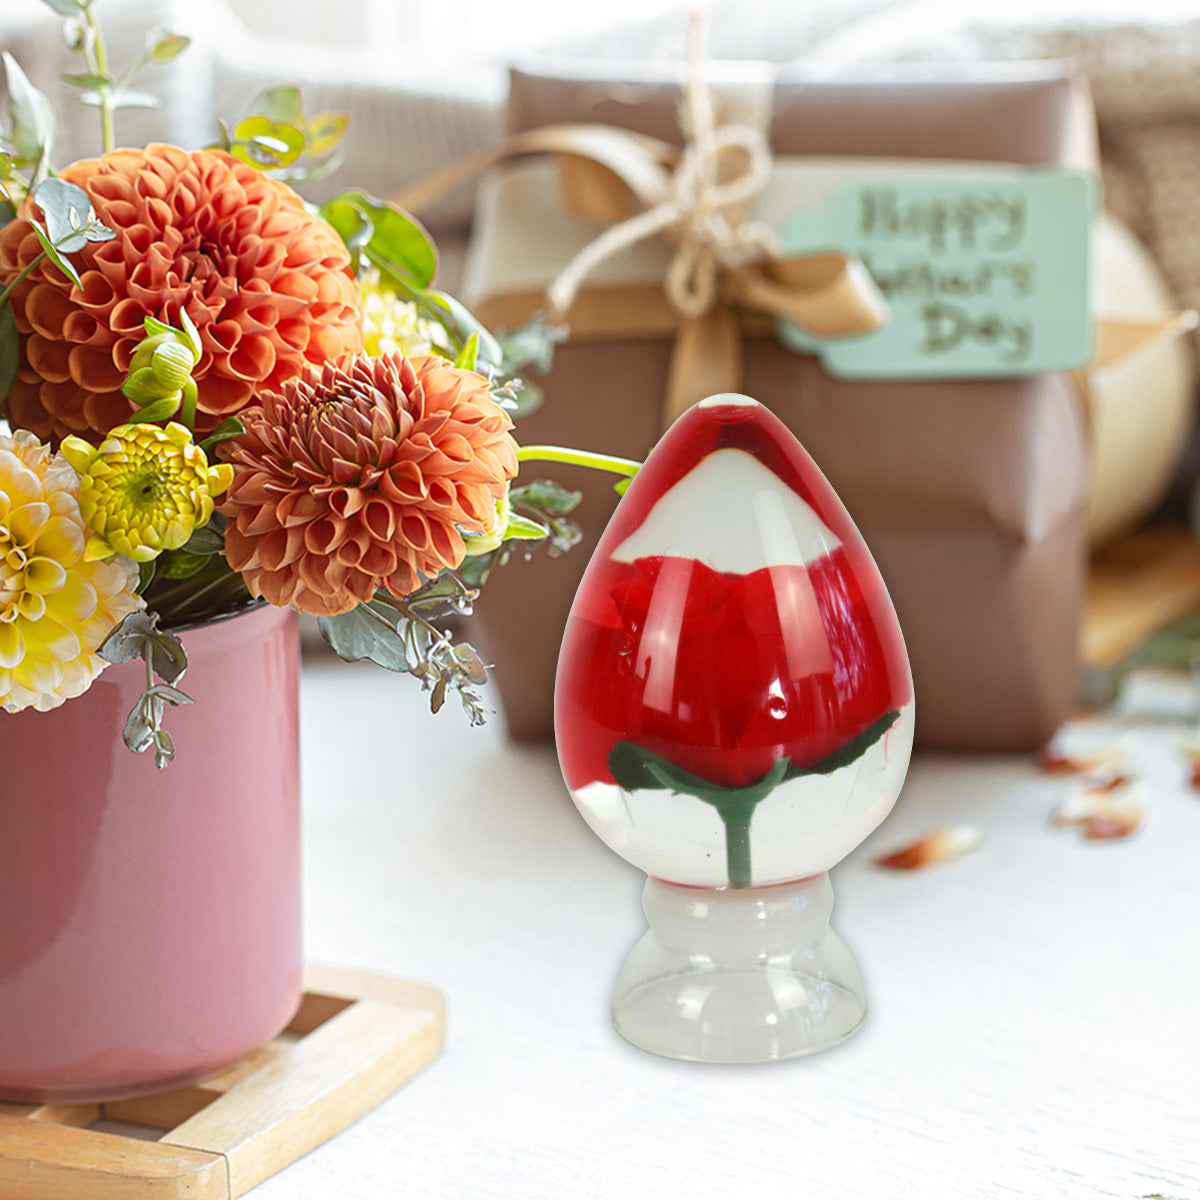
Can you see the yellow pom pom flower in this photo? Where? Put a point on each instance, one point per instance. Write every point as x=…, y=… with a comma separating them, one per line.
x=392, y=325
x=144, y=489
x=56, y=606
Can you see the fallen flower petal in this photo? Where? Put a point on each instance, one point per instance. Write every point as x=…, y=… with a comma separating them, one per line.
x=1105, y=811
x=938, y=846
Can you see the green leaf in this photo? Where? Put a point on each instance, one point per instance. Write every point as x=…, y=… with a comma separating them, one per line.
x=309, y=172
x=10, y=349
x=523, y=528
x=358, y=635
x=182, y=565
x=30, y=114
x=7, y=213
x=281, y=104
x=146, y=573
x=465, y=321
x=467, y=355
x=231, y=427
x=87, y=80
x=6, y=165
x=52, y=253
x=65, y=8
x=164, y=46
x=161, y=409
x=267, y=143
x=545, y=496
x=851, y=752
x=204, y=541
x=399, y=245
x=352, y=225
x=324, y=133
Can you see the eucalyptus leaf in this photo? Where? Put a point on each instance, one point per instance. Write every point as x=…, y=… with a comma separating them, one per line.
x=532, y=344
x=522, y=528
x=30, y=114
x=164, y=692
x=281, y=104
x=67, y=211
x=87, y=80
x=324, y=133
x=53, y=255
x=360, y=635
x=309, y=172
x=128, y=639
x=122, y=98
x=164, y=748
x=164, y=46
x=10, y=349
x=545, y=496
x=65, y=8
x=440, y=596
x=267, y=142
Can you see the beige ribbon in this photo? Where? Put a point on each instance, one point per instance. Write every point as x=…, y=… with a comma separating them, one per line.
x=724, y=269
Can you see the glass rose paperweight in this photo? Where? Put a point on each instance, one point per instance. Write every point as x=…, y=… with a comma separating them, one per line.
x=734, y=714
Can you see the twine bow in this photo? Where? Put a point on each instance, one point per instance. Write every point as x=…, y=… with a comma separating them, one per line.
x=724, y=267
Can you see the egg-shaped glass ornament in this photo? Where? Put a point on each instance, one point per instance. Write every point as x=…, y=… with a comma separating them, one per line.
x=734, y=714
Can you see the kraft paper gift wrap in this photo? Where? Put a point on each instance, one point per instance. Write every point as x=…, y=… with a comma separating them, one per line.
x=969, y=492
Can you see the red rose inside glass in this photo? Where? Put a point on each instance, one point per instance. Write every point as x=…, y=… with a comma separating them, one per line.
x=731, y=625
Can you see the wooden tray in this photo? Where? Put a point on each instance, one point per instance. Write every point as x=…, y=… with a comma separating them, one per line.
x=1136, y=587
x=355, y=1040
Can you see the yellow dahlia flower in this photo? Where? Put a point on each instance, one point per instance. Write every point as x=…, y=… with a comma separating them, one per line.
x=56, y=606
x=144, y=489
x=392, y=325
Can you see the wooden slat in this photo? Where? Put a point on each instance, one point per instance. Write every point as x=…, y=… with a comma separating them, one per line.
x=81, y=1115
x=362, y=1037
x=1137, y=587
x=40, y=1161
x=317, y=1087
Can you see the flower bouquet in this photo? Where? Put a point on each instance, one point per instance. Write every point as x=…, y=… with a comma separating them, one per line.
x=221, y=395
x=222, y=402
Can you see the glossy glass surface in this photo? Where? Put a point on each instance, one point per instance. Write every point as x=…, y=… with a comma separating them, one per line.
x=733, y=701
x=152, y=919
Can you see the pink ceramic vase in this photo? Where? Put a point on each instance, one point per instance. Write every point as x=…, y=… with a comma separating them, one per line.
x=151, y=930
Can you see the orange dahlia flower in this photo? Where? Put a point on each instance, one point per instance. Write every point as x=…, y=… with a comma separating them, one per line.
x=362, y=476
x=268, y=286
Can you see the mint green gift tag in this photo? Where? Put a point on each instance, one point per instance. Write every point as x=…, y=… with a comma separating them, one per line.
x=986, y=272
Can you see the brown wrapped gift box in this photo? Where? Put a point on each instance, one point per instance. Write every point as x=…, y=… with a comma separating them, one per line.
x=968, y=493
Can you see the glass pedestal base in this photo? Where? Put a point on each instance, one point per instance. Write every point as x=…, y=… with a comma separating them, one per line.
x=738, y=975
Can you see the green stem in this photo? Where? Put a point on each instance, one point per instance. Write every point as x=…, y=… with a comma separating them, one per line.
x=97, y=60
x=737, y=847
x=579, y=458
x=8, y=291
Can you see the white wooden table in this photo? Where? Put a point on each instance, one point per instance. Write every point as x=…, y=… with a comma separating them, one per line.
x=1034, y=1025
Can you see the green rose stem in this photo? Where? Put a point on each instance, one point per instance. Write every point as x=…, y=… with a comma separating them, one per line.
x=735, y=807
x=96, y=55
